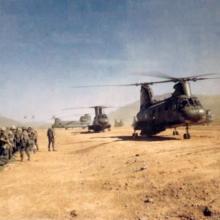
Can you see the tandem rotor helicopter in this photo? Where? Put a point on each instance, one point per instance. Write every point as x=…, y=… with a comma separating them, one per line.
x=83, y=122
x=100, y=121
x=180, y=109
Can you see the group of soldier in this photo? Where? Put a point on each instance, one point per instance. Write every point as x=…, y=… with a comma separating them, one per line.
x=21, y=139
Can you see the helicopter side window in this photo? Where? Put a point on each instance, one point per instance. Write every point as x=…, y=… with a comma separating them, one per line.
x=192, y=102
x=184, y=103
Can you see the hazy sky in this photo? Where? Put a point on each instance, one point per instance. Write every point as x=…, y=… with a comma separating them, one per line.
x=47, y=46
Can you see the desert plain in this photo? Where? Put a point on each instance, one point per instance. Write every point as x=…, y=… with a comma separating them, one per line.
x=111, y=176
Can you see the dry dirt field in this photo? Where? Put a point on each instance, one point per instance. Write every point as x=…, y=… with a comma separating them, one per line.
x=110, y=176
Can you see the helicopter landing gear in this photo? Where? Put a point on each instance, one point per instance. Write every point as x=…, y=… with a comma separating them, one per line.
x=135, y=135
x=187, y=134
x=175, y=132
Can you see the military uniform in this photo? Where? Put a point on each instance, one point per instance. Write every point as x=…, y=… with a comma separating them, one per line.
x=11, y=141
x=25, y=145
x=18, y=139
x=35, y=137
x=51, y=138
x=31, y=135
x=13, y=129
x=6, y=148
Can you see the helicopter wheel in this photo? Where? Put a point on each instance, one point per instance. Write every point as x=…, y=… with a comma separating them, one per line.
x=186, y=136
x=135, y=135
x=175, y=132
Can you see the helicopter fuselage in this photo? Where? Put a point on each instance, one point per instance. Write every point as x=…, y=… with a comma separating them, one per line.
x=171, y=112
x=100, y=123
x=84, y=122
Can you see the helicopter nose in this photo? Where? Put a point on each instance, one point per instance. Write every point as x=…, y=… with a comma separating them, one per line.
x=195, y=114
x=103, y=121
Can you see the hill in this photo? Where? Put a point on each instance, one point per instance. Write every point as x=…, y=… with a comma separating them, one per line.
x=7, y=122
x=127, y=113
x=4, y=121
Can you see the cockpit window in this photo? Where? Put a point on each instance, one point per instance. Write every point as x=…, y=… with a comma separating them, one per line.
x=191, y=102
x=195, y=102
x=183, y=103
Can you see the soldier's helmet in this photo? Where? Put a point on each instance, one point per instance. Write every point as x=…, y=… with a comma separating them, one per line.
x=13, y=127
x=19, y=130
x=10, y=133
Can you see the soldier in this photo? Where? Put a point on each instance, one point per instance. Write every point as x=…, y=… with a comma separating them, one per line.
x=25, y=144
x=36, y=139
x=31, y=135
x=5, y=144
x=18, y=139
x=11, y=143
x=51, y=138
x=13, y=130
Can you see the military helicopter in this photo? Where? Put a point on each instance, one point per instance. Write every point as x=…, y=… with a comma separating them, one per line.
x=83, y=122
x=180, y=109
x=100, y=121
x=118, y=123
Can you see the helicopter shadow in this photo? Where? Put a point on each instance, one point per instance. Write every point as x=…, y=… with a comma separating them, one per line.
x=88, y=132
x=90, y=148
x=81, y=132
x=143, y=138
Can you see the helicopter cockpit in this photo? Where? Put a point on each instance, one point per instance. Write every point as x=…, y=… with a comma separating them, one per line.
x=189, y=102
x=103, y=116
x=191, y=109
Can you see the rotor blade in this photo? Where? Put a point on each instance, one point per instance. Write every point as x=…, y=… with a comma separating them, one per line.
x=157, y=74
x=175, y=79
x=204, y=78
x=100, y=106
x=63, y=114
x=129, y=84
x=72, y=108
x=201, y=75
x=104, y=85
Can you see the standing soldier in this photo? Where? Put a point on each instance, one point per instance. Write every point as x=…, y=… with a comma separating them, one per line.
x=25, y=144
x=31, y=140
x=51, y=138
x=5, y=144
x=36, y=139
x=13, y=130
x=11, y=141
x=18, y=141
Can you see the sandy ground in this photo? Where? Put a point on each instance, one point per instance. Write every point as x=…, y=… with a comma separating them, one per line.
x=110, y=176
